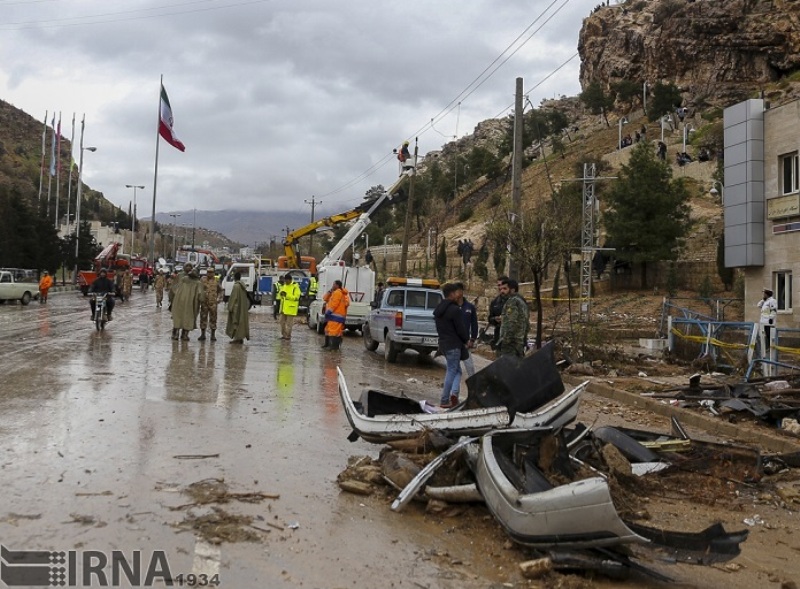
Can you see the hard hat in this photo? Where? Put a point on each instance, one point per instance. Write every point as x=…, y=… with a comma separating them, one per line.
x=103, y=271
x=405, y=142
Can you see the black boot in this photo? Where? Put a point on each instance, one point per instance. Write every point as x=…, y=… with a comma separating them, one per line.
x=174, y=334
x=327, y=342
x=336, y=343
x=213, y=337
x=202, y=337
x=184, y=335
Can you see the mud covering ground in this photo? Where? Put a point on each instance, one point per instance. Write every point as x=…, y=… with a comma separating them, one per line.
x=226, y=458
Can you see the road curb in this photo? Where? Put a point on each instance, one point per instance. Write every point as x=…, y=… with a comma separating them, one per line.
x=714, y=426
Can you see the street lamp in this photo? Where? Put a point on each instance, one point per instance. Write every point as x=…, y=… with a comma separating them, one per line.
x=78, y=208
x=133, y=221
x=174, y=234
x=664, y=119
x=686, y=130
x=721, y=192
x=622, y=121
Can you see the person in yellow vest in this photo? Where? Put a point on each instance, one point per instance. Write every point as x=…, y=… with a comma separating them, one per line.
x=313, y=286
x=45, y=284
x=337, y=299
x=289, y=295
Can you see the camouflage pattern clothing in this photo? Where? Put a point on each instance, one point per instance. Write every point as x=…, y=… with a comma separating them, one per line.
x=160, y=283
x=514, y=327
x=208, y=305
x=127, y=284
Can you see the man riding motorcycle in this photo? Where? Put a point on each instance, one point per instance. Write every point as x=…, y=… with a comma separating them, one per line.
x=103, y=285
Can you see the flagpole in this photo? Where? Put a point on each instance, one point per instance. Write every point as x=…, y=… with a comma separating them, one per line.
x=41, y=168
x=58, y=169
x=155, y=181
x=52, y=170
x=69, y=180
x=78, y=205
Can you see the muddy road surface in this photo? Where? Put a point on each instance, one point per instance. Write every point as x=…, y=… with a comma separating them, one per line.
x=103, y=434
x=223, y=458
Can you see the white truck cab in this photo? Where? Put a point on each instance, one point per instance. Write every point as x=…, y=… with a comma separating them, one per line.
x=359, y=281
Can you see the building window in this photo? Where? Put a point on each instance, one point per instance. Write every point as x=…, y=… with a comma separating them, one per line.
x=790, y=173
x=783, y=290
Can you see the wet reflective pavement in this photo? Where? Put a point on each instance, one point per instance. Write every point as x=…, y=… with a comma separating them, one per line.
x=100, y=430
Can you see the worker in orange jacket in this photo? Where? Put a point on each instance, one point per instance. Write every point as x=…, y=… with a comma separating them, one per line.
x=337, y=299
x=44, y=285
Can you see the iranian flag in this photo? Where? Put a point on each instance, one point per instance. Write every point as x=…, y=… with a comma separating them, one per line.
x=165, y=125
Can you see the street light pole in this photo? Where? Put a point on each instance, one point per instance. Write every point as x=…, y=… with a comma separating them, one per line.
x=174, y=234
x=622, y=121
x=133, y=221
x=78, y=206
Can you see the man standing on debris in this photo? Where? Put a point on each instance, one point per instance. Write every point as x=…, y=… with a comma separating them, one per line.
x=495, y=310
x=337, y=299
x=186, y=303
x=453, y=338
x=289, y=296
x=769, y=314
x=208, y=308
x=514, y=321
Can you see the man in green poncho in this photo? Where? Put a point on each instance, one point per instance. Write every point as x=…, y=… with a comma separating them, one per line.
x=186, y=303
x=238, y=326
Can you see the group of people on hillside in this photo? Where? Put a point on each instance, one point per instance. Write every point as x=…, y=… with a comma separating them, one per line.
x=457, y=328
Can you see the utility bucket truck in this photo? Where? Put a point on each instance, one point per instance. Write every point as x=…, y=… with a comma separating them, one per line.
x=359, y=280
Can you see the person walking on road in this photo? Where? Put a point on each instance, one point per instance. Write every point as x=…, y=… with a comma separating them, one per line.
x=186, y=303
x=337, y=300
x=45, y=284
x=514, y=321
x=453, y=338
x=127, y=283
x=159, y=284
x=289, y=296
x=208, y=308
x=238, y=325
x=471, y=322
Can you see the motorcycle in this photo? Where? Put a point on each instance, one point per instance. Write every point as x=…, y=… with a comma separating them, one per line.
x=100, y=312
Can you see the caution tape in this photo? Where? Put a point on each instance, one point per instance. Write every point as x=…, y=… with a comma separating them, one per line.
x=721, y=344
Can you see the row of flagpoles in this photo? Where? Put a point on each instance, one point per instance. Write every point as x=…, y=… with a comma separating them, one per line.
x=55, y=163
x=165, y=130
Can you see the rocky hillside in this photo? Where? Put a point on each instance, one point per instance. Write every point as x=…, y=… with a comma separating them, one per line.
x=716, y=51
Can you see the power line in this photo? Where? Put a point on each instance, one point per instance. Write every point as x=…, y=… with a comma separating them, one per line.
x=476, y=83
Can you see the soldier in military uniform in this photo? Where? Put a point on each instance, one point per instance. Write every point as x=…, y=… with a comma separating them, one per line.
x=160, y=283
x=514, y=321
x=208, y=307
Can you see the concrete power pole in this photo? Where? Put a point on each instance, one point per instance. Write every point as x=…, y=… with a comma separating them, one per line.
x=409, y=212
x=516, y=175
x=313, y=202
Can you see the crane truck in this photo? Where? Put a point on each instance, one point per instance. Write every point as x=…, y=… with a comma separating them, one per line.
x=358, y=280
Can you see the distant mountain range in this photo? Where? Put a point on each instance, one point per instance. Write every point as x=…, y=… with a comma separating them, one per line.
x=244, y=227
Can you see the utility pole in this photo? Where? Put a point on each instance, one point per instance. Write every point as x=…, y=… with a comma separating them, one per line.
x=516, y=174
x=409, y=212
x=313, y=202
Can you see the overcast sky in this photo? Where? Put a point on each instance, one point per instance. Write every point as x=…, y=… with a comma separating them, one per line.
x=276, y=100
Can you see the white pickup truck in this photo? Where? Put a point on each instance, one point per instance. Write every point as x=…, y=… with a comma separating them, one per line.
x=18, y=286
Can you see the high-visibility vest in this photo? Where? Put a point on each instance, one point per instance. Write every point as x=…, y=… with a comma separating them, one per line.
x=290, y=304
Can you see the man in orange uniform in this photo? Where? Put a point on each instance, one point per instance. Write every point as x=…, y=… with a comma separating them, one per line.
x=44, y=285
x=337, y=299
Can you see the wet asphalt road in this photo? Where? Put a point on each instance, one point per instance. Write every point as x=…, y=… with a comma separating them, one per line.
x=91, y=424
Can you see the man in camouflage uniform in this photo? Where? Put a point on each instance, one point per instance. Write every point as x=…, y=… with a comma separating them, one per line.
x=514, y=321
x=160, y=283
x=208, y=307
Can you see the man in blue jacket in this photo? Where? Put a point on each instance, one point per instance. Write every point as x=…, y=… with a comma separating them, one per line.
x=453, y=337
